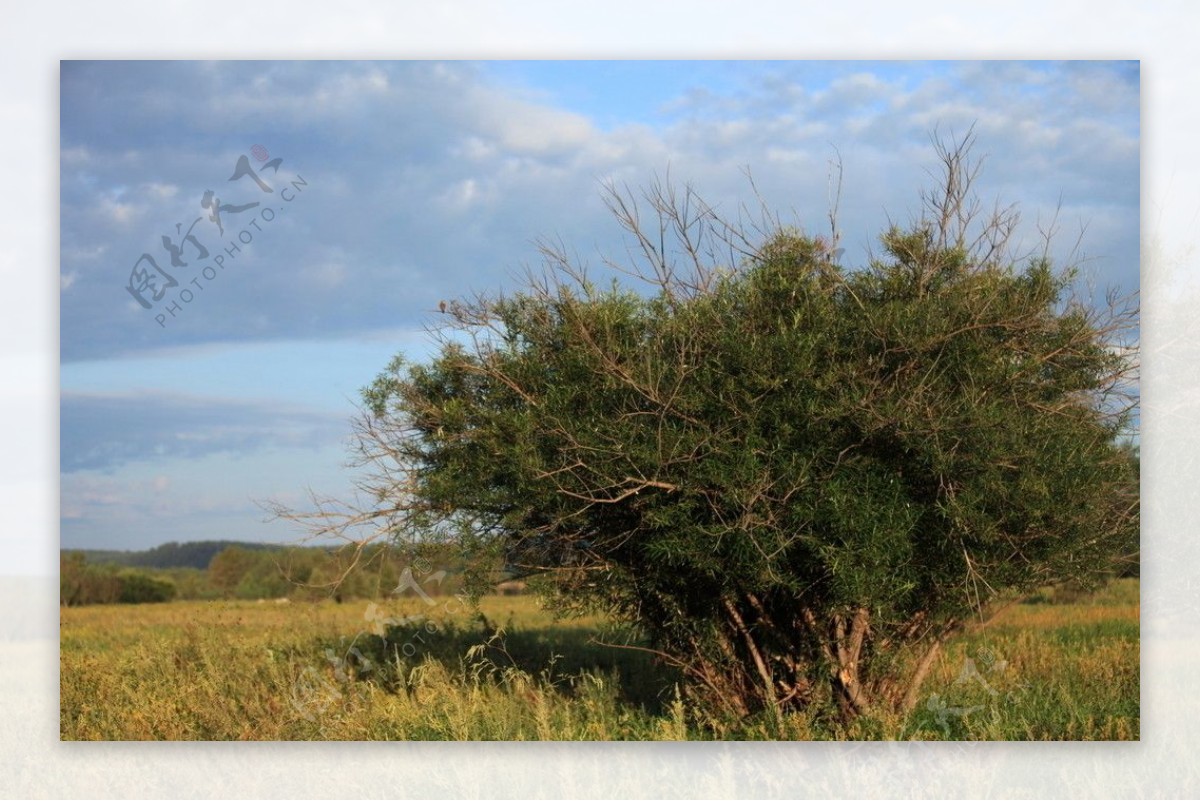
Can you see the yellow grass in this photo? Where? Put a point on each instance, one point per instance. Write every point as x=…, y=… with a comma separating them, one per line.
x=230, y=670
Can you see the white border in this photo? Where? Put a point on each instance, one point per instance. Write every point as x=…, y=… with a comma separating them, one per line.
x=35, y=36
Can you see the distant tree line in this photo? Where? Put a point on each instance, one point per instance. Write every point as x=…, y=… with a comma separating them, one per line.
x=82, y=583
x=251, y=571
x=196, y=555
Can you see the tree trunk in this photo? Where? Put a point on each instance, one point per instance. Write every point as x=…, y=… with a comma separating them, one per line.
x=919, y=675
x=752, y=664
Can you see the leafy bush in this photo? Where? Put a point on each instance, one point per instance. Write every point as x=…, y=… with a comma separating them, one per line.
x=797, y=478
x=138, y=588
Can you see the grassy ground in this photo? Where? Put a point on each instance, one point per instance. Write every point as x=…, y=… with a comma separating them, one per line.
x=1064, y=668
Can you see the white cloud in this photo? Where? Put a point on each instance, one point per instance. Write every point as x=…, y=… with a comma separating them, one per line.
x=850, y=92
x=477, y=148
x=90, y=253
x=427, y=182
x=462, y=195
x=348, y=89
x=539, y=130
x=159, y=191
x=117, y=212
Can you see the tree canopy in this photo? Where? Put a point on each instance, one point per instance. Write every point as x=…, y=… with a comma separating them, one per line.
x=795, y=477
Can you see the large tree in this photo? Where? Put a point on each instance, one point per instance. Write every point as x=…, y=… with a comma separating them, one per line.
x=796, y=478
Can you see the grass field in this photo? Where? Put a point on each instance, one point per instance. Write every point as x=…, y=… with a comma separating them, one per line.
x=1062, y=668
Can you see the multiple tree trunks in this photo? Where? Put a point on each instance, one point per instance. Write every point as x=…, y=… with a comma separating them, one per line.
x=754, y=664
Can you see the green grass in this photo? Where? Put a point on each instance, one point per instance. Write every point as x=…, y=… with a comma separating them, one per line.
x=263, y=671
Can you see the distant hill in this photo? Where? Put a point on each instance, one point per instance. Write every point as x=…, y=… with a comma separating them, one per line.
x=171, y=554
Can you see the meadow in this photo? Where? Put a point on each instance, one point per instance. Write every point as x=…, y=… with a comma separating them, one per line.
x=1060, y=666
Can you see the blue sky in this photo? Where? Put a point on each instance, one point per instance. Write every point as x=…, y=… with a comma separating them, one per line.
x=412, y=182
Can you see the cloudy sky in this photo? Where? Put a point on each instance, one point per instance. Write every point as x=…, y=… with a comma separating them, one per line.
x=351, y=197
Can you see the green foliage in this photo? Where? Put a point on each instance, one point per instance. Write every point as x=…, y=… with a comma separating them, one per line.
x=249, y=572
x=790, y=473
x=139, y=588
x=190, y=584
x=228, y=568
x=82, y=583
x=172, y=554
